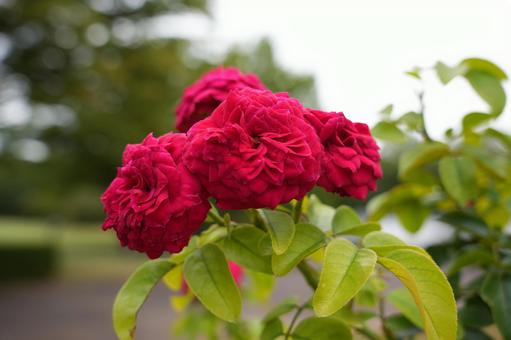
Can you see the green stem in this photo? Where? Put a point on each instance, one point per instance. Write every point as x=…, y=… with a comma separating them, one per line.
x=257, y=219
x=297, y=211
x=215, y=217
x=227, y=223
x=293, y=321
x=310, y=274
x=283, y=209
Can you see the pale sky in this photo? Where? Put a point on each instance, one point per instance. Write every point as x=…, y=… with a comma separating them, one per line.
x=358, y=50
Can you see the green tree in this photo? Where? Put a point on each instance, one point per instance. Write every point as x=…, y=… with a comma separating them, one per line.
x=90, y=80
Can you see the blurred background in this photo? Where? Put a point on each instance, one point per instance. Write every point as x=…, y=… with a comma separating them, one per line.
x=81, y=79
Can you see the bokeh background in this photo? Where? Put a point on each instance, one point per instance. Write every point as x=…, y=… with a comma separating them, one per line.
x=81, y=79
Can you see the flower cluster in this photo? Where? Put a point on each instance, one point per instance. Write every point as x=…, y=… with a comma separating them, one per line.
x=246, y=147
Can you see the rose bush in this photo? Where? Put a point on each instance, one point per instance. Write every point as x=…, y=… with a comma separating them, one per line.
x=249, y=148
x=203, y=97
x=463, y=179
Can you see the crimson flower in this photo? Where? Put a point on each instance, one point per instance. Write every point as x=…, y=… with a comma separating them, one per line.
x=203, y=97
x=350, y=164
x=154, y=204
x=255, y=151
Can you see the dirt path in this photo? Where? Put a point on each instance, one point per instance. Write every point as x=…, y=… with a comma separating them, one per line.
x=81, y=310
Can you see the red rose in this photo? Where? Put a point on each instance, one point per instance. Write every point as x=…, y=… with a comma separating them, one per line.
x=254, y=151
x=203, y=97
x=154, y=204
x=351, y=161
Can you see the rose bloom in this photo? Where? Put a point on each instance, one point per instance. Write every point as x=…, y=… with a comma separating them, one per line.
x=254, y=151
x=201, y=98
x=351, y=162
x=154, y=204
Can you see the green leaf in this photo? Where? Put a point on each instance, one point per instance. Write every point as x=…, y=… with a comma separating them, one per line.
x=387, y=202
x=475, y=119
x=361, y=229
x=242, y=247
x=404, y=302
x=265, y=245
x=281, y=309
x=422, y=177
x=446, y=73
x=496, y=292
x=383, y=243
x=354, y=318
x=180, y=257
x=389, y=132
x=321, y=329
x=174, y=278
x=471, y=224
x=489, y=89
x=381, y=239
x=344, y=218
x=272, y=329
x=487, y=66
x=133, y=294
x=212, y=234
x=401, y=327
x=369, y=295
x=280, y=227
x=412, y=214
x=476, y=313
x=208, y=276
x=470, y=256
x=345, y=271
x=498, y=215
x=430, y=289
x=414, y=72
x=307, y=240
x=412, y=120
x=419, y=155
x=320, y=214
x=492, y=164
x=505, y=139
x=261, y=285
x=475, y=334
x=387, y=110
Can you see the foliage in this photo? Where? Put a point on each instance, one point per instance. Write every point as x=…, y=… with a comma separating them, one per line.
x=464, y=181
x=345, y=291
x=90, y=78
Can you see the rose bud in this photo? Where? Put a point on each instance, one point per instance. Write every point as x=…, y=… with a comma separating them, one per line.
x=203, y=97
x=255, y=151
x=351, y=162
x=154, y=204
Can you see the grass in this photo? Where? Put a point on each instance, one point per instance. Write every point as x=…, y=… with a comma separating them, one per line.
x=84, y=251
